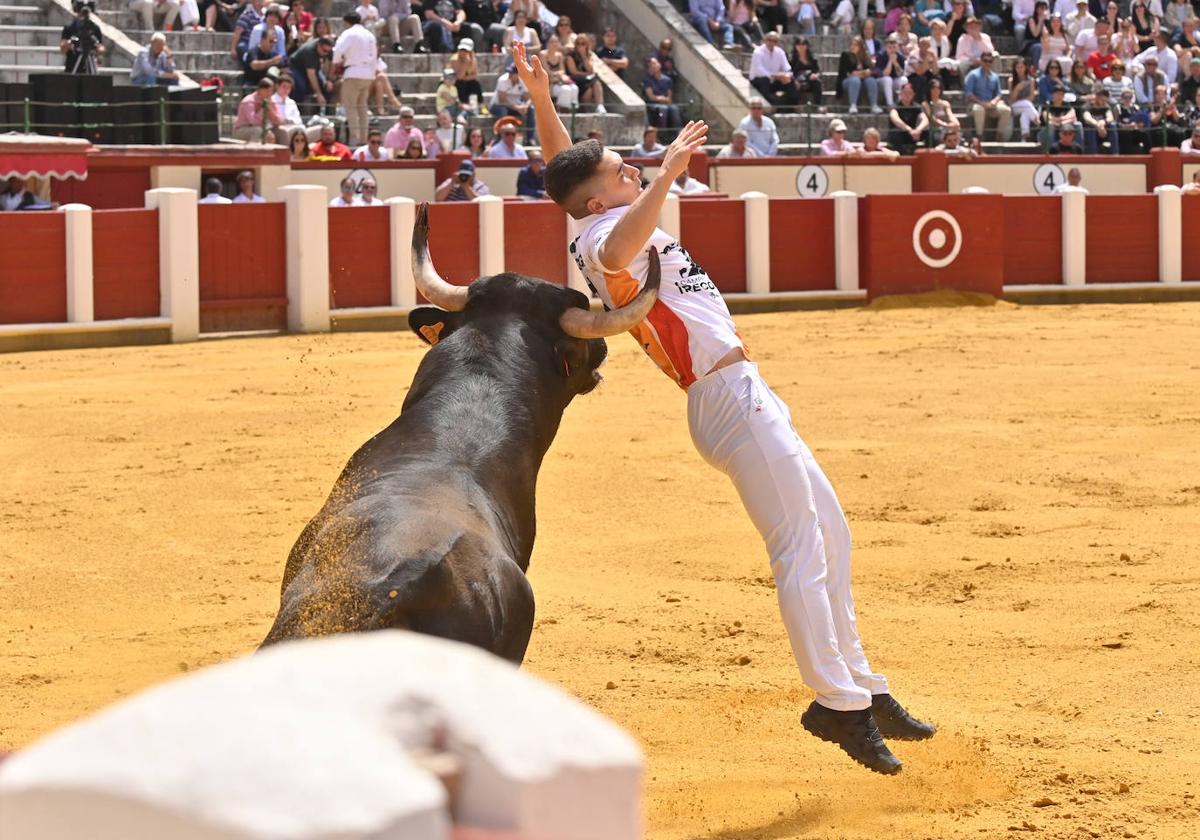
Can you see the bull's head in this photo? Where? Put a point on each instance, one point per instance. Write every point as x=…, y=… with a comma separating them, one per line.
x=563, y=316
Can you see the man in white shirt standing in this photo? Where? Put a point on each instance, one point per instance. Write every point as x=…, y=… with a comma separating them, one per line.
x=760, y=129
x=212, y=193
x=355, y=54
x=246, y=193
x=347, y=198
x=771, y=74
x=1078, y=20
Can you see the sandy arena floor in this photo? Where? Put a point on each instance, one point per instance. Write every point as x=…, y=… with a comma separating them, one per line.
x=1023, y=484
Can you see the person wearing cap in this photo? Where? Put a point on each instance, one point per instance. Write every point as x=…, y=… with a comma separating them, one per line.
x=1130, y=120
x=443, y=21
x=981, y=89
x=507, y=147
x=531, y=180
x=760, y=129
x=737, y=146
x=1168, y=125
x=649, y=147
x=512, y=99
x=1191, y=146
x=446, y=96
x=771, y=72
x=399, y=20
x=1168, y=63
x=972, y=46
x=1100, y=124
x=348, y=197
x=328, y=147
x=466, y=73
x=1151, y=78
x=1078, y=20
x=212, y=193
x=403, y=132
x=1067, y=143
x=462, y=185
x=1057, y=115
x=246, y=193
x=354, y=55
x=835, y=145
x=1191, y=82
x=257, y=115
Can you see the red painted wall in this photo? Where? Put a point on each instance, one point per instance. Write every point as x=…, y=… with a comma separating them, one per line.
x=1191, y=224
x=535, y=240
x=802, y=254
x=125, y=264
x=1122, y=238
x=714, y=233
x=33, y=270
x=105, y=189
x=454, y=240
x=243, y=267
x=1033, y=233
x=360, y=262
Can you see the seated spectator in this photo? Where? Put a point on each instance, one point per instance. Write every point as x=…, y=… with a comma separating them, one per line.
x=165, y=11
x=843, y=19
x=1168, y=125
x=927, y=11
x=466, y=74
x=257, y=116
x=1057, y=114
x=659, y=92
x=1190, y=85
x=415, y=150
x=563, y=31
x=512, y=99
x=746, y=28
x=583, y=73
x=760, y=129
x=835, y=144
x=1191, y=109
x=212, y=193
x=1022, y=91
x=443, y=19
x=982, y=92
x=262, y=60
x=474, y=144
x=400, y=22
x=507, y=147
x=272, y=22
x=370, y=193
x=906, y=40
x=909, y=122
x=400, y=134
x=1048, y=80
x=737, y=147
x=1192, y=187
x=1117, y=83
x=562, y=88
x=873, y=148
x=972, y=47
x=1176, y=12
x=328, y=147
x=154, y=65
x=250, y=17
x=1100, y=125
x=650, y=147
x=382, y=89
x=1130, y=121
x=449, y=134
x=889, y=70
x=773, y=14
x=943, y=51
x=348, y=196
x=463, y=186
x=298, y=144
x=1074, y=182
x=218, y=15
x=290, y=112
x=522, y=32
x=1088, y=40
x=921, y=69
x=531, y=180
x=806, y=71
x=941, y=115
x=370, y=18
x=1080, y=84
x=300, y=24
x=485, y=18
x=1145, y=84
x=245, y=189
x=1078, y=20
x=310, y=80
x=1100, y=62
x=771, y=74
x=446, y=96
x=665, y=56
x=1186, y=42
x=612, y=53
x=952, y=144
x=1066, y=143
x=1164, y=57
x=708, y=16
x=685, y=184
x=374, y=149
x=855, y=71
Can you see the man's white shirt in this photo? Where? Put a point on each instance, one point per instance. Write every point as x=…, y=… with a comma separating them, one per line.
x=357, y=51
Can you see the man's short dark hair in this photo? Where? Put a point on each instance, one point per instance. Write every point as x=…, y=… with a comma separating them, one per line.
x=351, y=18
x=571, y=167
x=212, y=185
x=325, y=41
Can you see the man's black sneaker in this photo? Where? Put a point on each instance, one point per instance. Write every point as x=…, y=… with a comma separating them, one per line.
x=397, y=48
x=855, y=732
x=895, y=722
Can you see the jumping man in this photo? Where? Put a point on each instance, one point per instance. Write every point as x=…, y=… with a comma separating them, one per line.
x=737, y=423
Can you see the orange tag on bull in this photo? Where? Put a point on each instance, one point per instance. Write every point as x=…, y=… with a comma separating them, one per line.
x=432, y=332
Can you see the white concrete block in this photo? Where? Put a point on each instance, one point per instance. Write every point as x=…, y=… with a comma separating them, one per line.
x=1170, y=233
x=845, y=240
x=307, y=257
x=80, y=289
x=668, y=217
x=403, y=217
x=758, y=242
x=491, y=234
x=178, y=259
x=313, y=739
x=1074, y=235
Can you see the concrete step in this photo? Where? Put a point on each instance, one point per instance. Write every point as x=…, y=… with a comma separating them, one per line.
x=29, y=35
x=22, y=15
x=20, y=72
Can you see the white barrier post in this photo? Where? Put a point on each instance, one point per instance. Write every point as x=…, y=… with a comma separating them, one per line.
x=1170, y=233
x=668, y=217
x=403, y=216
x=845, y=240
x=758, y=242
x=1074, y=235
x=307, y=257
x=77, y=219
x=491, y=234
x=178, y=259
x=975, y=191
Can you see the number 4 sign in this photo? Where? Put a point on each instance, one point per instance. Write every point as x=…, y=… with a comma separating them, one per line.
x=1046, y=177
x=812, y=182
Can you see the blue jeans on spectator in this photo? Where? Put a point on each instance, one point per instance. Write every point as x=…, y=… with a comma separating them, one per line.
x=664, y=116
x=1091, y=141
x=726, y=29
x=852, y=85
x=437, y=37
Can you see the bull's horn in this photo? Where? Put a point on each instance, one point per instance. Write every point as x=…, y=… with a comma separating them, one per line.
x=580, y=323
x=436, y=290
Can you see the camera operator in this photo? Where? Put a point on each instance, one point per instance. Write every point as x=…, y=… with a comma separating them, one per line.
x=81, y=39
x=464, y=186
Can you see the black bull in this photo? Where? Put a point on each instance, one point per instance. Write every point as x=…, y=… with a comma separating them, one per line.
x=431, y=524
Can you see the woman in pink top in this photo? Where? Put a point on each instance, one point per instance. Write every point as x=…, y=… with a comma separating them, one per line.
x=835, y=144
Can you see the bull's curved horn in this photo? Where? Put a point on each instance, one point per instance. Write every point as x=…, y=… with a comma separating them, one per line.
x=436, y=290
x=579, y=323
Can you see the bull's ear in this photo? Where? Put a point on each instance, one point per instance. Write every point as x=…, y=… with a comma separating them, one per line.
x=432, y=324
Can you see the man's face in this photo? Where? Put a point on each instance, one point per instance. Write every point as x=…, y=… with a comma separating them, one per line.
x=986, y=62
x=610, y=39
x=616, y=183
x=1066, y=137
x=756, y=111
x=373, y=141
x=157, y=46
x=738, y=142
x=1195, y=68
x=347, y=190
x=406, y=120
x=1102, y=44
x=536, y=165
x=951, y=139
x=324, y=50
x=327, y=135
x=653, y=67
x=285, y=89
x=509, y=136
x=906, y=94
x=368, y=190
x=268, y=43
x=246, y=185
x=772, y=41
x=16, y=184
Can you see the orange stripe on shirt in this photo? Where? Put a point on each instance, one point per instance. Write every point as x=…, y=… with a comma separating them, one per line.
x=662, y=335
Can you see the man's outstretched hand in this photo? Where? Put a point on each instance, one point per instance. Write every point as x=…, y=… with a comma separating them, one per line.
x=530, y=70
x=690, y=138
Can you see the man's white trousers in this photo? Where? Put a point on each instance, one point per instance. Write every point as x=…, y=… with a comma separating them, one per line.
x=743, y=429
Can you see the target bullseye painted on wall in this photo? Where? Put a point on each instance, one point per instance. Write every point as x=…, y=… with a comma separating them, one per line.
x=937, y=239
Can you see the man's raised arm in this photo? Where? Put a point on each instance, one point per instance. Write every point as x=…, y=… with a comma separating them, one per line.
x=552, y=134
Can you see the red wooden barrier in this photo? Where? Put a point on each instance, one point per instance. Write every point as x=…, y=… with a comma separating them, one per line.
x=802, y=245
x=243, y=267
x=535, y=240
x=1122, y=238
x=33, y=270
x=1033, y=239
x=125, y=264
x=714, y=233
x=1191, y=223
x=454, y=240
x=105, y=189
x=922, y=243
x=360, y=262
